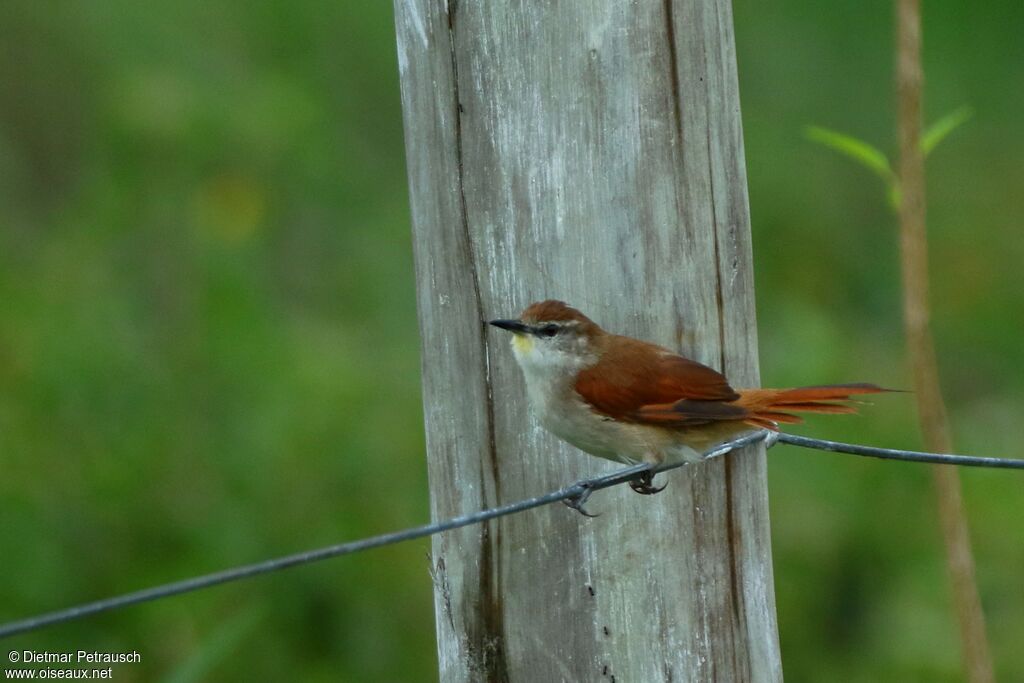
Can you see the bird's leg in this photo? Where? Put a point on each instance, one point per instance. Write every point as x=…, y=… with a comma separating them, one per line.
x=644, y=484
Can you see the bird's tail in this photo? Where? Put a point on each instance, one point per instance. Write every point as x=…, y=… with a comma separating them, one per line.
x=768, y=407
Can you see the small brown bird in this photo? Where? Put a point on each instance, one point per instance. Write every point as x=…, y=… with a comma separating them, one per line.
x=634, y=402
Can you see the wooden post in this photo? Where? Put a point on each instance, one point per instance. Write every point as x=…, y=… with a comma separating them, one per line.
x=588, y=151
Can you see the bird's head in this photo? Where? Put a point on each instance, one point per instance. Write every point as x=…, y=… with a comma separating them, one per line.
x=551, y=335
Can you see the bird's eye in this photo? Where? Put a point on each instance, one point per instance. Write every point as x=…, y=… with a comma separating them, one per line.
x=549, y=330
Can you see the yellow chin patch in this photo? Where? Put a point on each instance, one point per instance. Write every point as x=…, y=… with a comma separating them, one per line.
x=523, y=343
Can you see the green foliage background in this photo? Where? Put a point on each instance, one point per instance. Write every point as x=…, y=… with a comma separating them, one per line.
x=208, y=349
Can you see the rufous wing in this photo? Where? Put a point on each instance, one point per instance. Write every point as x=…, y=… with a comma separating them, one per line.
x=758, y=407
x=642, y=383
x=638, y=382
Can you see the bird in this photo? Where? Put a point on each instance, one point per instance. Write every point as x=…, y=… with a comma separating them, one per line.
x=634, y=402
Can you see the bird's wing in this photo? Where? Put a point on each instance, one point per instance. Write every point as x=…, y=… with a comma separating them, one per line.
x=639, y=382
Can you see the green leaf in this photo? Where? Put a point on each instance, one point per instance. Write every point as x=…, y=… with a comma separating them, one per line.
x=938, y=131
x=895, y=196
x=218, y=647
x=858, y=150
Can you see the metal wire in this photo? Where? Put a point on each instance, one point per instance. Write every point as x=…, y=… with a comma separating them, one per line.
x=575, y=494
x=896, y=454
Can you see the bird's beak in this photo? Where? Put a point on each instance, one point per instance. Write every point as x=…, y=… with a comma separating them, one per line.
x=517, y=326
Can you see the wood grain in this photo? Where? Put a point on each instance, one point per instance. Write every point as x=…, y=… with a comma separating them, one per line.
x=588, y=151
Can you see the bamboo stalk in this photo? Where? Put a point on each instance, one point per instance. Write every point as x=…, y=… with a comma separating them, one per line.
x=934, y=423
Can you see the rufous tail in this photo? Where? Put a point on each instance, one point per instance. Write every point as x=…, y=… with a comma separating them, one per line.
x=768, y=407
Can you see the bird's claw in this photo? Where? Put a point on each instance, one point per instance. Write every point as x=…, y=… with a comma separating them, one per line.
x=579, y=500
x=644, y=485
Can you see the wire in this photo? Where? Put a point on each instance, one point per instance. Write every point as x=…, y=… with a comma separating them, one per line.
x=896, y=454
x=575, y=495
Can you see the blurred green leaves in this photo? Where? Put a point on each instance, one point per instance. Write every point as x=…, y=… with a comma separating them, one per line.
x=938, y=131
x=874, y=159
x=200, y=239
x=853, y=148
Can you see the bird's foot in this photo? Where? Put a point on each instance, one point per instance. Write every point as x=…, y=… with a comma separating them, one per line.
x=577, y=501
x=644, y=484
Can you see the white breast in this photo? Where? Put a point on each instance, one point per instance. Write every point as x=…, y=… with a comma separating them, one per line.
x=550, y=386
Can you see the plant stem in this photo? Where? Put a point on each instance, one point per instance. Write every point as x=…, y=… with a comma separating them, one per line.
x=934, y=423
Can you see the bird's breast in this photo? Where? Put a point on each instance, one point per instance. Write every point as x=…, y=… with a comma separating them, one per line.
x=570, y=418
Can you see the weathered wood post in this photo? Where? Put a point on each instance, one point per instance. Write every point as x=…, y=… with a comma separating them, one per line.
x=589, y=151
